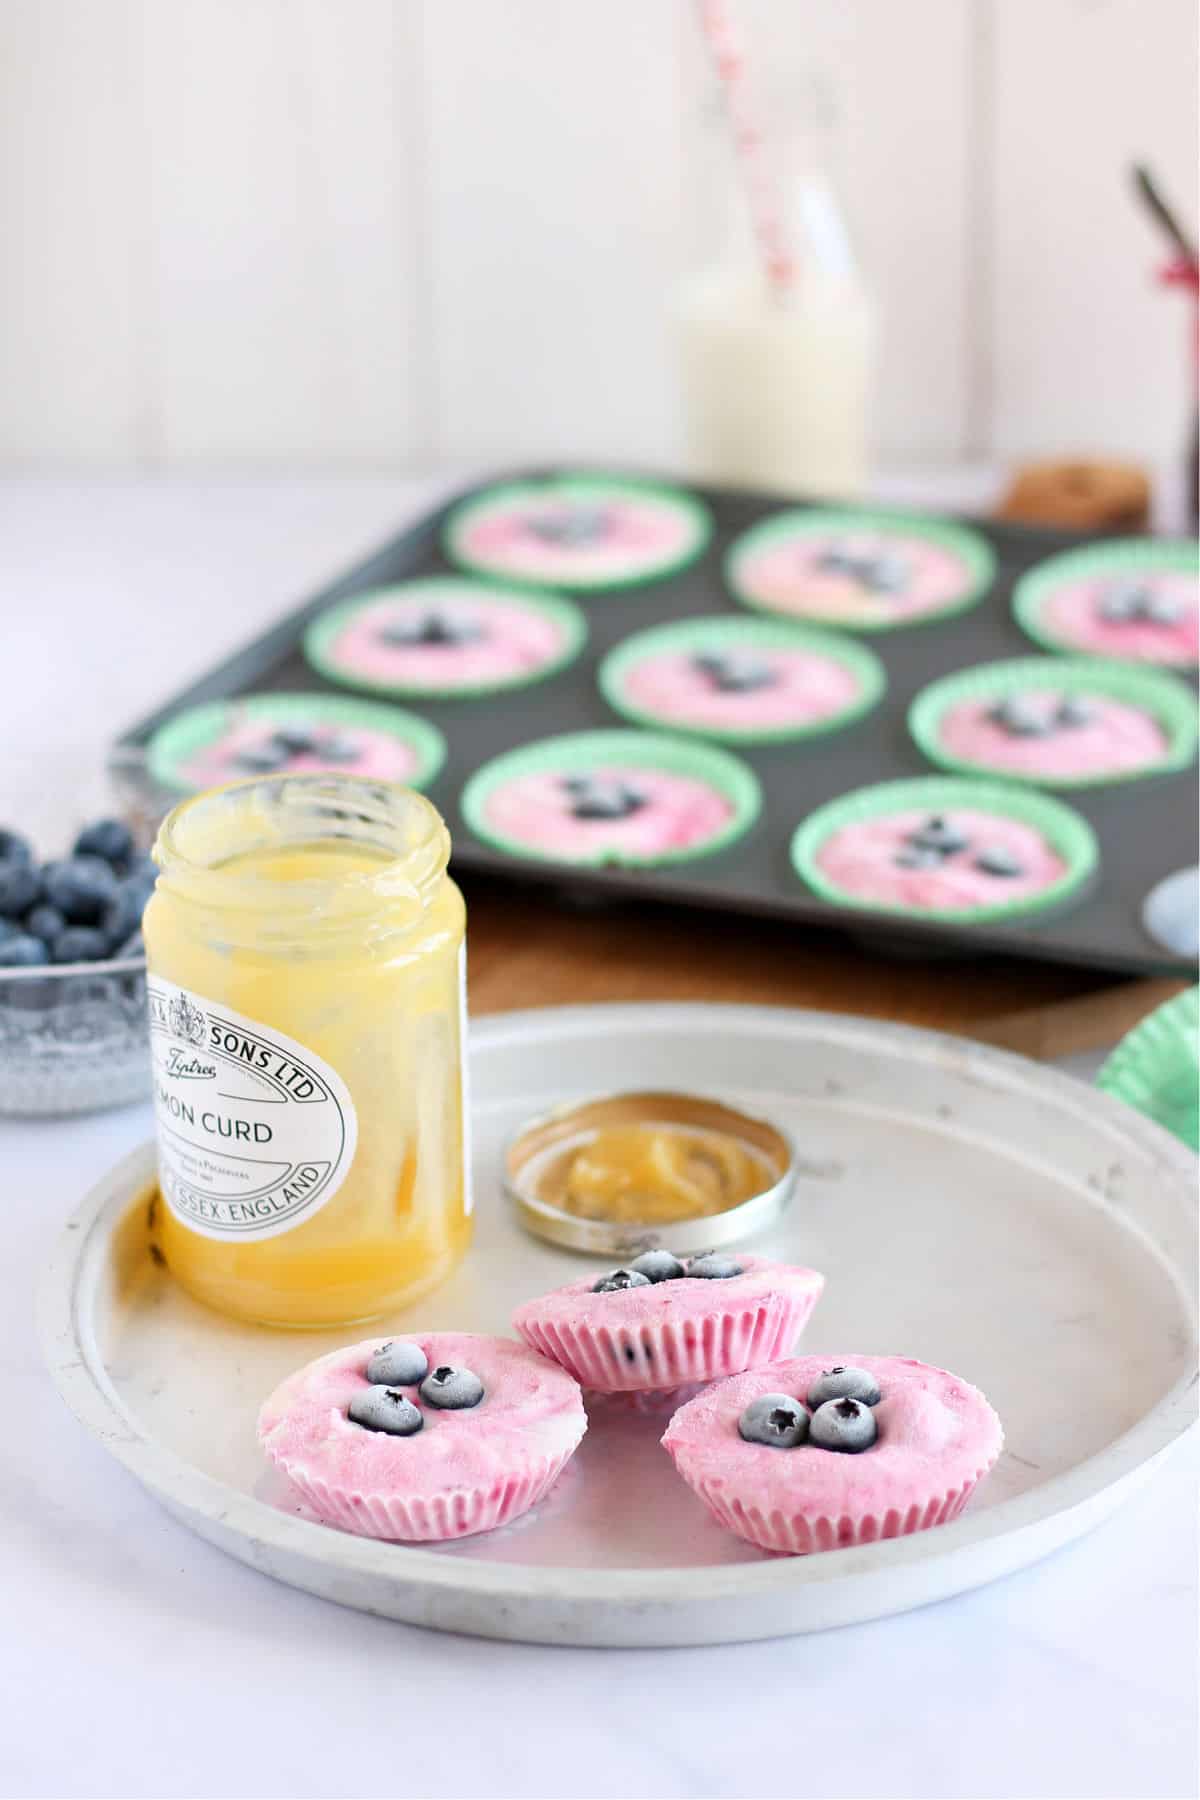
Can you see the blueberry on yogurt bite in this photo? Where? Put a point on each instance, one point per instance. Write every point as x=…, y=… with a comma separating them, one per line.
x=997, y=859
x=843, y=1383
x=620, y=1279
x=570, y=527
x=913, y=856
x=451, y=1389
x=711, y=1267
x=938, y=833
x=1121, y=602
x=429, y=629
x=398, y=1364
x=386, y=1409
x=657, y=1265
x=1016, y=715
x=266, y=758
x=1074, y=710
x=774, y=1419
x=733, y=674
x=847, y=1425
x=592, y=797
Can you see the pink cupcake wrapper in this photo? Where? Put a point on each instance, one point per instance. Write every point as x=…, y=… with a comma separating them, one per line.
x=675, y=1352
x=802, y=1534
x=432, y=1518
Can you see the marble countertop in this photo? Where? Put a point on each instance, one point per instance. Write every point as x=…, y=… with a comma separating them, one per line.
x=137, y=1661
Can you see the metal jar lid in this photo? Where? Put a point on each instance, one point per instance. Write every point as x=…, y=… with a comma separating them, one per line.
x=530, y=1153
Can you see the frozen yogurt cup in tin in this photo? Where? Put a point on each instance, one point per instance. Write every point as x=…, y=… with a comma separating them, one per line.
x=538, y=1155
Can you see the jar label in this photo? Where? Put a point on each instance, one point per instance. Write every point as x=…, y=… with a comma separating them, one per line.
x=255, y=1133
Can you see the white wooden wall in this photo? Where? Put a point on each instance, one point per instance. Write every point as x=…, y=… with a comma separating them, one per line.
x=380, y=231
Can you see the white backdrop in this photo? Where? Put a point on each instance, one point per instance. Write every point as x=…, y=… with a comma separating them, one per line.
x=383, y=231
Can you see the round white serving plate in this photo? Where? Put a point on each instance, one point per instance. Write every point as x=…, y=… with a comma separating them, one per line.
x=967, y=1207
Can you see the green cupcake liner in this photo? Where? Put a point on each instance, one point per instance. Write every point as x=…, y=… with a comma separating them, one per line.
x=977, y=555
x=579, y=751
x=1066, y=832
x=691, y=635
x=1169, y=700
x=590, y=489
x=325, y=630
x=176, y=742
x=1156, y=1067
x=1114, y=557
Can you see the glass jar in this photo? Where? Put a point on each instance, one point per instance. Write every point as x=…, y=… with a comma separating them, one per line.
x=306, y=986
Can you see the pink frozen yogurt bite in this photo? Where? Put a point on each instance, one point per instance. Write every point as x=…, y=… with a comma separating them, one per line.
x=424, y=1438
x=277, y=734
x=661, y=1324
x=956, y=849
x=612, y=798
x=578, y=531
x=1134, y=603
x=1054, y=735
x=445, y=635
x=823, y=1452
x=868, y=572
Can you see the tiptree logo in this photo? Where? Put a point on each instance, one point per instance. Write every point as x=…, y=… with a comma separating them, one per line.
x=185, y=1020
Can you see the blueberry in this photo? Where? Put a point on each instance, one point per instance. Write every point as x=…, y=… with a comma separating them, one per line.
x=843, y=1425
x=570, y=527
x=123, y=914
x=261, y=759
x=1161, y=609
x=1123, y=601
x=109, y=839
x=620, y=1279
x=398, y=1363
x=451, y=1389
x=837, y=559
x=81, y=887
x=431, y=628
x=884, y=574
x=20, y=951
x=385, y=1409
x=1017, y=715
x=45, y=922
x=732, y=674
x=19, y=887
x=14, y=848
x=657, y=1265
x=80, y=943
x=774, y=1419
x=712, y=1267
x=1073, y=710
x=339, y=747
x=997, y=859
x=294, y=740
x=133, y=946
x=914, y=857
x=938, y=833
x=844, y=1384
x=595, y=798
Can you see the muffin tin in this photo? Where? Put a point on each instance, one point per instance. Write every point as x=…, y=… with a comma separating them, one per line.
x=1146, y=830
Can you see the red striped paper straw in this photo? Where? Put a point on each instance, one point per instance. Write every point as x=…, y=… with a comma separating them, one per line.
x=720, y=26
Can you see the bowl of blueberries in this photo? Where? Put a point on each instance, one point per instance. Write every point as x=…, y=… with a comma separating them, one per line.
x=73, y=1034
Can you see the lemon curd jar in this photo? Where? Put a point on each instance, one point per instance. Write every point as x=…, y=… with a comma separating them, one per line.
x=305, y=951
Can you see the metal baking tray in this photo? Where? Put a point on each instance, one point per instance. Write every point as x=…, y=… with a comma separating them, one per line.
x=1146, y=828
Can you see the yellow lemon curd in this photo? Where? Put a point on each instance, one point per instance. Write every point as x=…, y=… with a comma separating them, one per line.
x=654, y=1174
x=319, y=908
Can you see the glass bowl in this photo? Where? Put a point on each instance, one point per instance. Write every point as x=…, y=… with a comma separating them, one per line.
x=74, y=1038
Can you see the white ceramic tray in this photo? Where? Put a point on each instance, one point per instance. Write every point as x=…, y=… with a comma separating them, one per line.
x=967, y=1207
